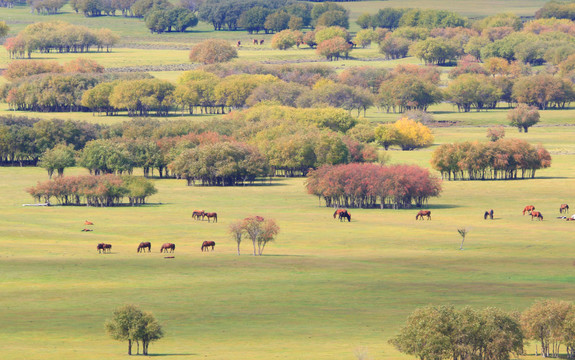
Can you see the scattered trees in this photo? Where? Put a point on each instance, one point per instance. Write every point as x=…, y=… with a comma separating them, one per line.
x=213, y=51
x=366, y=185
x=259, y=230
x=134, y=325
x=523, y=117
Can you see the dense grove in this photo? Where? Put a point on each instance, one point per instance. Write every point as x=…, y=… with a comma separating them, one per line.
x=91, y=190
x=371, y=185
x=501, y=159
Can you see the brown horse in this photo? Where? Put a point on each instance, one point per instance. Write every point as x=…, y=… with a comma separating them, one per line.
x=207, y=244
x=338, y=211
x=536, y=214
x=528, y=209
x=239, y=43
x=168, y=246
x=88, y=222
x=255, y=41
x=100, y=247
x=344, y=215
x=564, y=208
x=145, y=245
x=261, y=41
x=107, y=248
x=87, y=229
x=423, y=213
x=488, y=213
x=197, y=214
x=211, y=216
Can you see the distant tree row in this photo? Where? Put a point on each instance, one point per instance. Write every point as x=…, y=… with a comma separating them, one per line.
x=59, y=36
x=271, y=16
x=91, y=190
x=505, y=159
x=46, y=7
x=371, y=185
x=392, y=18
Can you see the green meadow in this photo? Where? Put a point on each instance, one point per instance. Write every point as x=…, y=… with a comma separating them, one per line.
x=324, y=290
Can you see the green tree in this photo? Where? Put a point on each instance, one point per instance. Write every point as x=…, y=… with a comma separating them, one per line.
x=286, y=39
x=4, y=29
x=435, y=51
x=254, y=19
x=334, y=18
x=131, y=324
x=277, y=21
x=58, y=158
x=544, y=322
x=523, y=117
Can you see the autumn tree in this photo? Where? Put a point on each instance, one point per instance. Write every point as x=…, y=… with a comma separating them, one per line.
x=83, y=65
x=234, y=90
x=435, y=51
x=365, y=37
x=543, y=91
x=260, y=231
x=22, y=68
x=394, y=47
x=495, y=133
x=334, y=48
x=406, y=133
x=544, y=322
x=523, y=117
x=286, y=39
x=472, y=90
x=213, y=51
x=407, y=92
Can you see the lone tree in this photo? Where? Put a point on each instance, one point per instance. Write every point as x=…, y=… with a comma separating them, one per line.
x=213, y=51
x=261, y=231
x=237, y=231
x=523, y=116
x=134, y=325
x=462, y=232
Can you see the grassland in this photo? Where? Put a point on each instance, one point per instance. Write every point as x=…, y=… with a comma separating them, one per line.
x=324, y=288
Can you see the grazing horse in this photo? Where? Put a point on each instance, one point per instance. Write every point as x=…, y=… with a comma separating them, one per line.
x=207, y=244
x=100, y=247
x=210, y=216
x=197, y=214
x=168, y=246
x=88, y=222
x=107, y=248
x=344, y=215
x=145, y=245
x=488, y=213
x=87, y=229
x=261, y=41
x=255, y=41
x=536, y=214
x=528, y=209
x=338, y=211
x=423, y=213
x=239, y=43
x=564, y=208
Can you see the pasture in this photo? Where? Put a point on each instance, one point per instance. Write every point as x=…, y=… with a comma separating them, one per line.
x=321, y=291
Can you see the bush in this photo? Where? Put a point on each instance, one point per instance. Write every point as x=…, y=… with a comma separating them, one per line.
x=213, y=51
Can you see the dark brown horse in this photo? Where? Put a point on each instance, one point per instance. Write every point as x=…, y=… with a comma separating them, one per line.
x=107, y=248
x=536, y=214
x=423, y=213
x=239, y=43
x=528, y=209
x=488, y=214
x=145, y=245
x=344, y=215
x=197, y=214
x=207, y=244
x=168, y=246
x=211, y=216
x=100, y=247
x=564, y=208
x=261, y=41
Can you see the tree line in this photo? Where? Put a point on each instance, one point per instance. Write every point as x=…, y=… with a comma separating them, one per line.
x=92, y=190
x=59, y=36
x=372, y=185
x=445, y=332
x=502, y=159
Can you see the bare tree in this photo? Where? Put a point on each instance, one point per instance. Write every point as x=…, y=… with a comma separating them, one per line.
x=462, y=232
x=237, y=231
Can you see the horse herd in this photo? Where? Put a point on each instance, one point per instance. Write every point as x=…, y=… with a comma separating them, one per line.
x=529, y=209
x=146, y=245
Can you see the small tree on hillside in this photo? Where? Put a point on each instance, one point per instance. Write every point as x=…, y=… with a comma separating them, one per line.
x=523, y=117
x=58, y=158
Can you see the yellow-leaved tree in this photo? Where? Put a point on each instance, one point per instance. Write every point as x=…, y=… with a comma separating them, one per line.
x=405, y=133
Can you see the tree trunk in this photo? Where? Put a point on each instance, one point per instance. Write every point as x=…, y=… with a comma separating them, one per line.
x=129, y=347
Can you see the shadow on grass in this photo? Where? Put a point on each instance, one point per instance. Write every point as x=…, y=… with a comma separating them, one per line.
x=153, y=355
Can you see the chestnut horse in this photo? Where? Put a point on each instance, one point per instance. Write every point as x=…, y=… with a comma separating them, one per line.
x=536, y=214
x=488, y=213
x=145, y=245
x=168, y=246
x=564, y=208
x=207, y=244
x=197, y=214
x=528, y=209
x=423, y=213
x=338, y=211
x=88, y=222
x=211, y=216
x=344, y=215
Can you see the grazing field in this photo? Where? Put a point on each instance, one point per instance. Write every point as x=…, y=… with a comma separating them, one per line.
x=323, y=290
